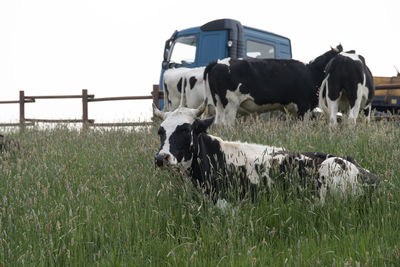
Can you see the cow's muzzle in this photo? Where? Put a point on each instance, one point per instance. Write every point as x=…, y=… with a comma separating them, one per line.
x=161, y=159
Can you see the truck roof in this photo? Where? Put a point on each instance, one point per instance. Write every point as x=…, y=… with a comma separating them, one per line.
x=223, y=24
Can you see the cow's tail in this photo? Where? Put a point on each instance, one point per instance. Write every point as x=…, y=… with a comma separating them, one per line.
x=368, y=102
x=208, y=68
x=166, y=102
x=207, y=91
x=323, y=91
x=183, y=87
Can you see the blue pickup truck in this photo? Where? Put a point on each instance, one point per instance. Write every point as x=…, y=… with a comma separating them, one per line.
x=218, y=39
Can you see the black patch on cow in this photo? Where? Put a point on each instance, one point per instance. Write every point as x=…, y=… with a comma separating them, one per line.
x=180, y=141
x=179, y=85
x=167, y=93
x=317, y=157
x=192, y=82
x=162, y=135
x=208, y=163
x=341, y=163
x=209, y=169
x=295, y=172
x=323, y=92
x=260, y=169
x=215, y=69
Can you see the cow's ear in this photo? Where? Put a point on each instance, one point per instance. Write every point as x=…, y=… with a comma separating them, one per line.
x=200, y=126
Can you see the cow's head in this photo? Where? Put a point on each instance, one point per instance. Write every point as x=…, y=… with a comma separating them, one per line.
x=176, y=135
x=321, y=61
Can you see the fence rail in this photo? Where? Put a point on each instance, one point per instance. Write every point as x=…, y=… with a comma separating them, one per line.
x=156, y=95
x=387, y=86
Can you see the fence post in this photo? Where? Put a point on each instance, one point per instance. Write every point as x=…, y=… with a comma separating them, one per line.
x=22, y=110
x=156, y=95
x=85, y=117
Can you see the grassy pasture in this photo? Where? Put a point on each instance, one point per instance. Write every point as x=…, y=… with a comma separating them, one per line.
x=95, y=198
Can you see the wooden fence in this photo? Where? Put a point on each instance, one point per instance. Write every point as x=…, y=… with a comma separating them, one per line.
x=156, y=95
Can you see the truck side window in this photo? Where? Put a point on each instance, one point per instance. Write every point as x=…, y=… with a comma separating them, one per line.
x=184, y=50
x=259, y=50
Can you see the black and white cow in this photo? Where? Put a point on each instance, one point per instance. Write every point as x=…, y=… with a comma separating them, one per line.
x=212, y=162
x=260, y=85
x=187, y=80
x=348, y=87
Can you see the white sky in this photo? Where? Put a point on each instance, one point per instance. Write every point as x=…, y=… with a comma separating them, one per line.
x=114, y=48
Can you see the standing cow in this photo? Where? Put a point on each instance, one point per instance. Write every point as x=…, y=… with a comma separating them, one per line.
x=347, y=87
x=260, y=85
x=183, y=87
x=213, y=163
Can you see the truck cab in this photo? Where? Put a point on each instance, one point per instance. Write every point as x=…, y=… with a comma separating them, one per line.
x=218, y=39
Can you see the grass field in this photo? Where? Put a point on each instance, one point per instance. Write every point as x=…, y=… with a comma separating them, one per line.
x=95, y=198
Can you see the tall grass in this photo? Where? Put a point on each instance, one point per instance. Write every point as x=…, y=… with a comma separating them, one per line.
x=95, y=198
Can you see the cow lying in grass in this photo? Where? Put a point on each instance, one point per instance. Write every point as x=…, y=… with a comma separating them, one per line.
x=213, y=163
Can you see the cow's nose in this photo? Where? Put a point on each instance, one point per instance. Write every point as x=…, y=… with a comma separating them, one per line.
x=160, y=159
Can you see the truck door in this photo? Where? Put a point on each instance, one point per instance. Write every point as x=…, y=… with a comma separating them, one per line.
x=212, y=46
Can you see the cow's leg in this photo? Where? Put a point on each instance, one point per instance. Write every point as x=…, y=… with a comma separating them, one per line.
x=355, y=109
x=353, y=114
x=219, y=111
x=231, y=108
x=333, y=106
x=367, y=111
x=230, y=112
x=333, y=95
x=366, y=107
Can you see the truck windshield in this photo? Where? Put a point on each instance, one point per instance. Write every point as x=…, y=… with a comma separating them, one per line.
x=184, y=50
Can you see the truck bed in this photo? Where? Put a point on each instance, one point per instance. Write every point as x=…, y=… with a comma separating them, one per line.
x=387, y=94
